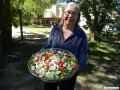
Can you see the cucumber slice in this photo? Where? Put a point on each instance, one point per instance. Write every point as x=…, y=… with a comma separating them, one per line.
x=69, y=68
x=52, y=69
x=58, y=72
x=58, y=57
x=43, y=58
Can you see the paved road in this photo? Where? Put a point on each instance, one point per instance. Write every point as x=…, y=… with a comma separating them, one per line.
x=16, y=32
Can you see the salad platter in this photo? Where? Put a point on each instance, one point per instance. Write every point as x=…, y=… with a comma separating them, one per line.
x=53, y=65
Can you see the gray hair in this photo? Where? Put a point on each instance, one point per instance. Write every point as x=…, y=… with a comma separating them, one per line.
x=78, y=9
x=73, y=4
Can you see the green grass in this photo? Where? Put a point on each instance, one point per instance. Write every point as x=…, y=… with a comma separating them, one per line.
x=102, y=67
x=45, y=30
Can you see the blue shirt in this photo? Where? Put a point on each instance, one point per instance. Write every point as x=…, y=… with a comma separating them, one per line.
x=76, y=43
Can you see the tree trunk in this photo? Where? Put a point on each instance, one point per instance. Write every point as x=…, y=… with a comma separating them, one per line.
x=1, y=27
x=7, y=27
x=92, y=35
x=21, y=25
x=6, y=32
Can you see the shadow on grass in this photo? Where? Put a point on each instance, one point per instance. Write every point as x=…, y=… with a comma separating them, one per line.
x=102, y=68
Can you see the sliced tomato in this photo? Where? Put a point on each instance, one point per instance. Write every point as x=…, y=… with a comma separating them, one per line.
x=47, y=64
x=60, y=64
x=60, y=61
x=62, y=68
x=36, y=60
x=39, y=58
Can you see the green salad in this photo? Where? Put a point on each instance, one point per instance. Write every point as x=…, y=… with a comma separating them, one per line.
x=52, y=64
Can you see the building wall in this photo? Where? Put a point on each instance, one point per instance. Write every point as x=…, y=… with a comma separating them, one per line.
x=55, y=11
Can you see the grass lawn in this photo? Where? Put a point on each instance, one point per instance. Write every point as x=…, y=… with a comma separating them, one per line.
x=45, y=30
x=102, y=67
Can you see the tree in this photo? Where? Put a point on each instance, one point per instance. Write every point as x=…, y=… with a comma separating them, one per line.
x=37, y=6
x=24, y=8
x=98, y=14
x=1, y=27
x=6, y=19
x=10, y=11
x=7, y=26
x=16, y=7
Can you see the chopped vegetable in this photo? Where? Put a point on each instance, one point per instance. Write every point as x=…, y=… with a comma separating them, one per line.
x=53, y=64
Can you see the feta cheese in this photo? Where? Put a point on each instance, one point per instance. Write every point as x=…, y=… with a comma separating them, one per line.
x=33, y=68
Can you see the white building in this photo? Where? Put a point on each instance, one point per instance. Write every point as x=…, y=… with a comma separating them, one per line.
x=54, y=12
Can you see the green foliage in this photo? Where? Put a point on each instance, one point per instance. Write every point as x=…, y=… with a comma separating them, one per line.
x=29, y=9
x=37, y=6
x=98, y=13
x=15, y=10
